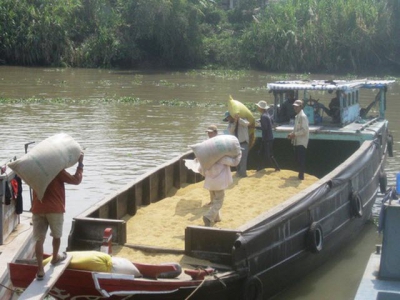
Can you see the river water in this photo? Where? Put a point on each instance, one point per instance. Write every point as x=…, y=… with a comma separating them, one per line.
x=124, y=139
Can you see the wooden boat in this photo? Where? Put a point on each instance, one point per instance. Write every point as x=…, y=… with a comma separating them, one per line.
x=163, y=281
x=266, y=254
x=16, y=240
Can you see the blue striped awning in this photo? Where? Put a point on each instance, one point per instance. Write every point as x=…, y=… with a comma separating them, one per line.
x=373, y=84
x=325, y=85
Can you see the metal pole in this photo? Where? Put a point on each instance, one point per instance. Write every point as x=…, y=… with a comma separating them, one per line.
x=30, y=189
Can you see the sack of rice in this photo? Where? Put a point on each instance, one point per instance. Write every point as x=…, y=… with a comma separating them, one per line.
x=88, y=260
x=41, y=165
x=122, y=265
x=211, y=150
x=236, y=107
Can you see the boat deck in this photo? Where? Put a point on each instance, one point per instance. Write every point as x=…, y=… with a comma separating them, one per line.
x=363, y=130
x=381, y=279
x=371, y=287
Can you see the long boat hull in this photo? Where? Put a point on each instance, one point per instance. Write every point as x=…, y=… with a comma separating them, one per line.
x=286, y=244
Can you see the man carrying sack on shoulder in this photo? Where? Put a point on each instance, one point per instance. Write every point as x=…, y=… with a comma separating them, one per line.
x=49, y=212
x=217, y=178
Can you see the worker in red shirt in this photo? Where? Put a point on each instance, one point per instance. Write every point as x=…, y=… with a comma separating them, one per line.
x=49, y=212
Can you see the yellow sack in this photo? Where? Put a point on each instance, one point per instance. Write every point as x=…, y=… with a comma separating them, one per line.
x=236, y=107
x=88, y=260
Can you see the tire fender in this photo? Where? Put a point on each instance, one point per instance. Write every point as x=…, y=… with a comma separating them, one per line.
x=315, y=238
x=253, y=289
x=390, y=145
x=356, y=204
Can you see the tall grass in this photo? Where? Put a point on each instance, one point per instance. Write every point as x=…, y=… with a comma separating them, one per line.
x=285, y=36
x=316, y=35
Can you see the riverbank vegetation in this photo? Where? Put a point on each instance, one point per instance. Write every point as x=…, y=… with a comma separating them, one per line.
x=341, y=36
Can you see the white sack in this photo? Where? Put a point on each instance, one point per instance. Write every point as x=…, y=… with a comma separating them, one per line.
x=41, y=165
x=193, y=164
x=122, y=265
x=211, y=150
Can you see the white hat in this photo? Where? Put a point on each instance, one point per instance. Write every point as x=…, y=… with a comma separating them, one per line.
x=262, y=104
x=212, y=128
x=298, y=103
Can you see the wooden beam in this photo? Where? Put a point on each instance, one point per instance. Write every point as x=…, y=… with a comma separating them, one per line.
x=38, y=289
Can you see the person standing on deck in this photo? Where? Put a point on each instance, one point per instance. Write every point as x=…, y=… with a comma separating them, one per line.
x=216, y=179
x=49, y=212
x=267, y=155
x=286, y=111
x=239, y=127
x=299, y=137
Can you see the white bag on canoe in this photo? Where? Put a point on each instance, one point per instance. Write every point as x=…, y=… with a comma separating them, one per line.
x=212, y=150
x=41, y=165
x=122, y=265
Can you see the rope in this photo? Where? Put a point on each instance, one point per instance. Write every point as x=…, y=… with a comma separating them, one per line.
x=195, y=290
x=10, y=289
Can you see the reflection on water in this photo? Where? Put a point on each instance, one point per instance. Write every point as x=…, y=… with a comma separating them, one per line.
x=124, y=140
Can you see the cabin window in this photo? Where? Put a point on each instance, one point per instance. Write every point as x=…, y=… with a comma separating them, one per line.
x=343, y=100
x=356, y=96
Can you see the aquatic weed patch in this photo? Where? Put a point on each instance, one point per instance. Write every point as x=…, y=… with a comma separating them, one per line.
x=127, y=100
x=226, y=74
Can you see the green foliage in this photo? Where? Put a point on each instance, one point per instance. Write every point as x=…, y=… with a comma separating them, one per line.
x=315, y=35
x=36, y=32
x=162, y=31
x=285, y=36
x=99, y=45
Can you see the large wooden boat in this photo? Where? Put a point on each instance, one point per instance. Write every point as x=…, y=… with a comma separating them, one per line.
x=266, y=254
x=16, y=240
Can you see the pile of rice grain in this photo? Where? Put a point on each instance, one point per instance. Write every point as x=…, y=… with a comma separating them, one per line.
x=163, y=224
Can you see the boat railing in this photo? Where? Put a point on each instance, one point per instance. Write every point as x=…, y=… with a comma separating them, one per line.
x=367, y=124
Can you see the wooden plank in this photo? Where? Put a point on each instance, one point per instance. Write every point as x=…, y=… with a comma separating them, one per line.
x=38, y=289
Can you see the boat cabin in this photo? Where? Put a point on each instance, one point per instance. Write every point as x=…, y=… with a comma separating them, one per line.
x=344, y=107
x=340, y=117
